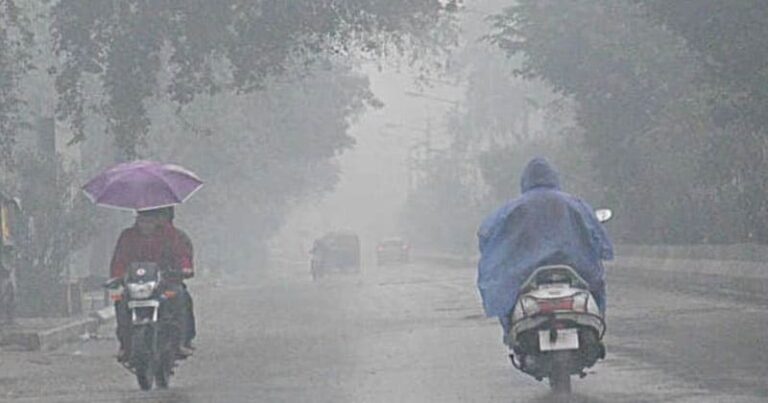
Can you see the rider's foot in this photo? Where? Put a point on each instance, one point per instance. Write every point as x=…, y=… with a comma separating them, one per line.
x=601, y=354
x=185, y=351
x=122, y=355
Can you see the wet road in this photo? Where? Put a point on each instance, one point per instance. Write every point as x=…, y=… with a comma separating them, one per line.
x=416, y=334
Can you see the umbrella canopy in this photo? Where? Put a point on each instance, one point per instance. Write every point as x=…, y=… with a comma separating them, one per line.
x=142, y=185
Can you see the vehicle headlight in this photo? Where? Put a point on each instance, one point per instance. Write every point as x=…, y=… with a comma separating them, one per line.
x=141, y=290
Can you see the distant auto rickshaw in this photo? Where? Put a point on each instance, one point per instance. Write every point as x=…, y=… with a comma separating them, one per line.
x=336, y=251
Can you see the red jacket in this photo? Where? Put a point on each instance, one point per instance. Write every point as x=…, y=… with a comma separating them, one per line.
x=132, y=246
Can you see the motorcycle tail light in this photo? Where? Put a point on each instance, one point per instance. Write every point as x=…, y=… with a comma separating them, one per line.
x=168, y=294
x=116, y=297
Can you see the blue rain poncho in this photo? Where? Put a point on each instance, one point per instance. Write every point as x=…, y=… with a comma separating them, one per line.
x=541, y=227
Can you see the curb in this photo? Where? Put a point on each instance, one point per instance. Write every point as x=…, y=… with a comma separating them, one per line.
x=448, y=260
x=50, y=339
x=624, y=263
x=726, y=268
x=104, y=315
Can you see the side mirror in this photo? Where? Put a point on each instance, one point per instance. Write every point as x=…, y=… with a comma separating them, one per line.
x=603, y=214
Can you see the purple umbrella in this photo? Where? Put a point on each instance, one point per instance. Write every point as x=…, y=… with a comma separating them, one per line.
x=142, y=185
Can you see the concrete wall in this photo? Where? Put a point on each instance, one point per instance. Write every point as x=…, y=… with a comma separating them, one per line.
x=739, y=252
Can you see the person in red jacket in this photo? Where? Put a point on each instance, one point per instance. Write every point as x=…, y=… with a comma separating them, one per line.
x=154, y=238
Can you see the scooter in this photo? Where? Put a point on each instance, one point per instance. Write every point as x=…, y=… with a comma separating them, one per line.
x=556, y=325
x=557, y=328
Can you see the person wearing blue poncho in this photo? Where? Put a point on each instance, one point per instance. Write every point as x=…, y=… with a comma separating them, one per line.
x=544, y=226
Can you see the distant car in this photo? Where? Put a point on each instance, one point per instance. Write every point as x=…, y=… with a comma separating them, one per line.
x=393, y=250
x=335, y=251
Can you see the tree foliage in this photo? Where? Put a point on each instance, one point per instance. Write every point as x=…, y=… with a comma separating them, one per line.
x=444, y=209
x=15, y=39
x=61, y=221
x=260, y=154
x=209, y=46
x=666, y=95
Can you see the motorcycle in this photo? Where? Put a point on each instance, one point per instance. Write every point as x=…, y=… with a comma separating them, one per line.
x=154, y=331
x=556, y=325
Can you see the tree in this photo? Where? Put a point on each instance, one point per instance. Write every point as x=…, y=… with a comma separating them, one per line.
x=15, y=39
x=251, y=68
x=642, y=96
x=443, y=211
x=210, y=46
x=727, y=39
x=502, y=122
x=60, y=223
x=260, y=154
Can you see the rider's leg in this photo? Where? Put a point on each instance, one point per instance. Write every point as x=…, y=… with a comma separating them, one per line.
x=504, y=321
x=123, y=319
x=191, y=323
x=600, y=297
x=177, y=309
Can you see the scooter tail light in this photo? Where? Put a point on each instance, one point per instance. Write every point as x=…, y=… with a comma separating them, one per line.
x=552, y=305
x=580, y=302
x=530, y=306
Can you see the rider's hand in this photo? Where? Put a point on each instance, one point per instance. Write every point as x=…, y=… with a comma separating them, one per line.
x=187, y=272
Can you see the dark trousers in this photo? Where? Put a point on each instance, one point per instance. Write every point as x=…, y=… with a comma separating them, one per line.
x=191, y=324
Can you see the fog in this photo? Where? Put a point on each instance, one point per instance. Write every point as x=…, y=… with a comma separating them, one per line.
x=375, y=176
x=330, y=163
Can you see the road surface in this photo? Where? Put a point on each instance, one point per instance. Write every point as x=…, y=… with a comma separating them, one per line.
x=416, y=333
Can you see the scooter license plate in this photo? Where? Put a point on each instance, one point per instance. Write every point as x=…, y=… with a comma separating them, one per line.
x=567, y=339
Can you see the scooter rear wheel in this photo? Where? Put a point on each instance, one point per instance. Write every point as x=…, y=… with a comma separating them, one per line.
x=560, y=378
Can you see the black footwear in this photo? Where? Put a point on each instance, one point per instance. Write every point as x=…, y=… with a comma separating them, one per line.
x=185, y=351
x=122, y=355
x=601, y=354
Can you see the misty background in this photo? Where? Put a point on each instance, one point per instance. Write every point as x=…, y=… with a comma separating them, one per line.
x=409, y=118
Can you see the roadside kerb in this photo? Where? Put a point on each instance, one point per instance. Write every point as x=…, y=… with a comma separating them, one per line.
x=446, y=259
x=727, y=268
x=749, y=269
x=104, y=315
x=50, y=339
